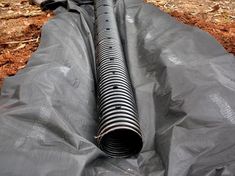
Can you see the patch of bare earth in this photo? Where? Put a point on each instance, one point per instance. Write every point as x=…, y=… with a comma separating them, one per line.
x=20, y=25
x=216, y=17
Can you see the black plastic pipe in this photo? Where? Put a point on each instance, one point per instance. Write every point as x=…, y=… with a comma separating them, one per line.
x=119, y=133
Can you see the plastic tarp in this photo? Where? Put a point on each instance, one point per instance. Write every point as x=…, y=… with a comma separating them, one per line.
x=184, y=83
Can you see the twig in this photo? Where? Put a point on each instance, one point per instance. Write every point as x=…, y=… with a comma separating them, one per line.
x=21, y=15
x=23, y=41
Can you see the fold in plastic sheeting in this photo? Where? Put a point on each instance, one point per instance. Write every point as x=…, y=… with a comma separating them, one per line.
x=184, y=85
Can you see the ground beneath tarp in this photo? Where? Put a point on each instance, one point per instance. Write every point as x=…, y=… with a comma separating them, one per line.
x=21, y=23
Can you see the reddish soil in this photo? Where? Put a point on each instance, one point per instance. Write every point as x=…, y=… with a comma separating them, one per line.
x=224, y=33
x=16, y=49
x=216, y=17
x=20, y=25
x=19, y=35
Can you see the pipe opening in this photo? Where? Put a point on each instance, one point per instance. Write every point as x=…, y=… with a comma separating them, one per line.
x=121, y=143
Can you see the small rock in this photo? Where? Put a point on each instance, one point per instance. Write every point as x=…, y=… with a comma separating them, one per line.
x=6, y=4
x=10, y=11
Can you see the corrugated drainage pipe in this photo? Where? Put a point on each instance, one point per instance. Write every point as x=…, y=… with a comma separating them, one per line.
x=119, y=133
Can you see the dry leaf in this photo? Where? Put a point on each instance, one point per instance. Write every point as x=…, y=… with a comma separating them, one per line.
x=217, y=20
x=215, y=8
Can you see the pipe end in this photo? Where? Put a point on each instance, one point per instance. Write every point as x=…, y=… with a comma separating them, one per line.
x=121, y=143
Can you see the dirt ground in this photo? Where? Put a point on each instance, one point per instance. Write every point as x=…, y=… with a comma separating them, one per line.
x=20, y=25
x=216, y=17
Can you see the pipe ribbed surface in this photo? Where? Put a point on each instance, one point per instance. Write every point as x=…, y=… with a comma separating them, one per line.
x=119, y=133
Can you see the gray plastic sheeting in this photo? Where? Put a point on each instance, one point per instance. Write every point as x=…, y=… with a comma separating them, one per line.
x=185, y=89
